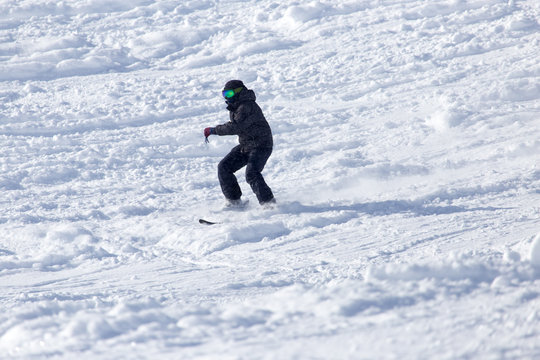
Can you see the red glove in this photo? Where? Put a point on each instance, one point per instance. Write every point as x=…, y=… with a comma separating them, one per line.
x=209, y=131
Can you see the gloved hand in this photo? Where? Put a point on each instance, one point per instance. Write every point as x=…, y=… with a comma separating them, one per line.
x=209, y=131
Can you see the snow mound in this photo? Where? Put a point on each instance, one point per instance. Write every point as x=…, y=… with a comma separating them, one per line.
x=209, y=239
x=535, y=252
x=305, y=13
x=463, y=268
x=58, y=247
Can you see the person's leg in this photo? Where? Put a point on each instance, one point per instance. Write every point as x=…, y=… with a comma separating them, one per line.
x=255, y=165
x=230, y=164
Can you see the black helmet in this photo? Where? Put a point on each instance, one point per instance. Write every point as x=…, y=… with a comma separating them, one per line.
x=233, y=84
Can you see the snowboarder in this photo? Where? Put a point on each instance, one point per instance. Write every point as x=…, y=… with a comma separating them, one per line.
x=255, y=145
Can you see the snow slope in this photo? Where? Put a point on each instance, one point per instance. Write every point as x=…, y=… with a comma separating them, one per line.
x=407, y=142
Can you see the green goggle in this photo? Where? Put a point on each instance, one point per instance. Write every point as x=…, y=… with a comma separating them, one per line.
x=227, y=94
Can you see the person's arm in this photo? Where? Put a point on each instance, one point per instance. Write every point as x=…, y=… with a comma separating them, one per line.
x=238, y=124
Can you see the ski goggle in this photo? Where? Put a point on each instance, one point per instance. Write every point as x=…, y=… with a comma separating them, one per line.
x=227, y=94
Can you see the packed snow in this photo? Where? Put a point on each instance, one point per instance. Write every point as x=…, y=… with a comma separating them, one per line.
x=405, y=167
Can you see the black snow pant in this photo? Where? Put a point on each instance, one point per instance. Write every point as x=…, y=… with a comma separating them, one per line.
x=254, y=160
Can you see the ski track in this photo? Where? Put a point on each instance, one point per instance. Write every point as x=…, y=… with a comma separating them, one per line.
x=405, y=168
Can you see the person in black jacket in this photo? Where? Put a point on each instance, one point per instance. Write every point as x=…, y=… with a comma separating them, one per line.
x=255, y=144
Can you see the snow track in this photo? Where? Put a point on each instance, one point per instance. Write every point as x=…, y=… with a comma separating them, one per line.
x=405, y=168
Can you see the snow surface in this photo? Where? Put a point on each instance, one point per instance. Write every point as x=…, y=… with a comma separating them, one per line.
x=406, y=169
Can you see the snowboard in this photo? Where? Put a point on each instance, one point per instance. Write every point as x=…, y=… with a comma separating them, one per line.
x=206, y=222
x=237, y=207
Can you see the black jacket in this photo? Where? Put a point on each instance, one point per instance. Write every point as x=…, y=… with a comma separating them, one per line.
x=248, y=122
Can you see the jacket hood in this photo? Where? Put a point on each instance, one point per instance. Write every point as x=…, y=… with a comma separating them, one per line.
x=247, y=95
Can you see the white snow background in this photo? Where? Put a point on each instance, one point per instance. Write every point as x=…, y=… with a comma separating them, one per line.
x=406, y=169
